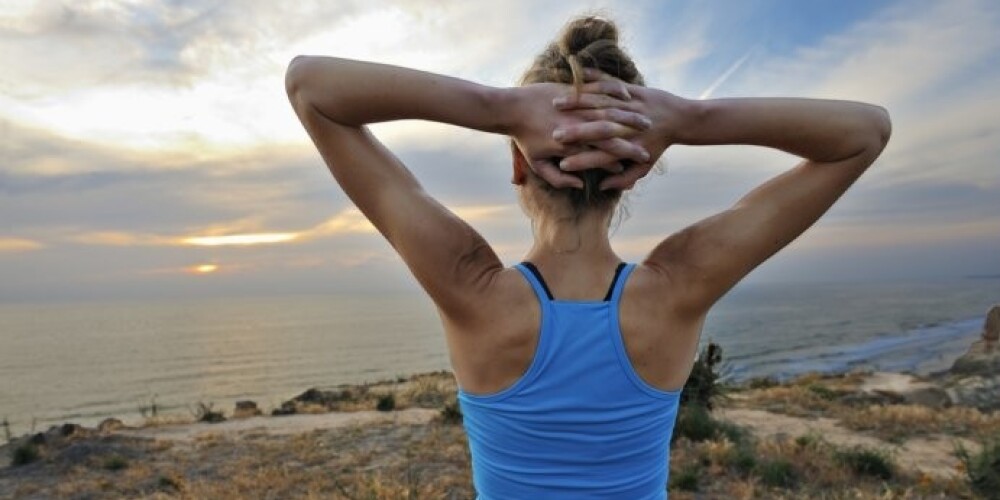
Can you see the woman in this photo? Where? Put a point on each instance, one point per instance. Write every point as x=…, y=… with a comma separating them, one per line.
x=570, y=364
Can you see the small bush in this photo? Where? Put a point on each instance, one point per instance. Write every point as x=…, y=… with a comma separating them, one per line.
x=695, y=423
x=822, y=391
x=744, y=459
x=25, y=454
x=171, y=482
x=777, y=473
x=762, y=383
x=702, y=387
x=686, y=479
x=866, y=461
x=205, y=413
x=115, y=462
x=808, y=440
x=386, y=403
x=983, y=468
x=451, y=413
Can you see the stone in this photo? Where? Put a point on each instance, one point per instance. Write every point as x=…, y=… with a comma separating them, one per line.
x=901, y=388
x=979, y=360
x=246, y=409
x=991, y=328
x=109, y=425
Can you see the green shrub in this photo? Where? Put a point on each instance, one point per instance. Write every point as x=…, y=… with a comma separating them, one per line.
x=695, y=423
x=702, y=387
x=115, y=462
x=686, y=479
x=451, y=413
x=983, y=468
x=866, y=461
x=386, y=403
x=744, y=459
x=810, y=440
x=24, y=454
x=822, y=391
x=778, y=473
x=762, y=383
x=204, y=413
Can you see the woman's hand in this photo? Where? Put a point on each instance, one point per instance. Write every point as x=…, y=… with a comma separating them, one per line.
x=665, y=111
x=535, y=122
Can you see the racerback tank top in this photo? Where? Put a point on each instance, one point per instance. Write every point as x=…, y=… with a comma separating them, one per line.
x=580, y=423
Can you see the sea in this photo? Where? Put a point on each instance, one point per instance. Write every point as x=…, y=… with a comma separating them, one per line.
x=85, y=361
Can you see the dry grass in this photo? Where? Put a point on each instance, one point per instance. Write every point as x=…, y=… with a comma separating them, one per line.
x=431, y=460
x=898, y=422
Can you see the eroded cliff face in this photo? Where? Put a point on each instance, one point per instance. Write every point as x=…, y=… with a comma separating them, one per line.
x=974, y=378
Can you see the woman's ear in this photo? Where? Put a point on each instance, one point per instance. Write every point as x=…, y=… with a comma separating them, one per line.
x=520, y=166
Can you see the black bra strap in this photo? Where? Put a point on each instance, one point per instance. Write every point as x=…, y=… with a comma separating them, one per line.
x=614, y=281
x=538, y=275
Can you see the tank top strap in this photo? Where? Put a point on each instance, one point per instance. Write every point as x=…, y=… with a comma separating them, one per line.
x=621, y=276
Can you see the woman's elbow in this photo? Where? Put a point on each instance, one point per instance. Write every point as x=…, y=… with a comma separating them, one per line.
x=295, y=76
x=882, y=125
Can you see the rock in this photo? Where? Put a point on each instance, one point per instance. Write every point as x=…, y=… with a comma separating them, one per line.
x=70, y=429
x=991, y=329
x=246, y=409
x=901, y=388
x=109, y=425
x=977, y=391
x=980, y=360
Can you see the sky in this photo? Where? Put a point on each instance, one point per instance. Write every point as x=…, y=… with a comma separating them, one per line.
x=147, y=148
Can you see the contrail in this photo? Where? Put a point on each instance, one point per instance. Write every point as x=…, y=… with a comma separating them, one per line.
x=725, y=76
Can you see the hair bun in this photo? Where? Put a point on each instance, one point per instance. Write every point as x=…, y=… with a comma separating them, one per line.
x=580, y=35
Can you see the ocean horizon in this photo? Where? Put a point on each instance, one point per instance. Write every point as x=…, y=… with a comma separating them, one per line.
x=83, y=361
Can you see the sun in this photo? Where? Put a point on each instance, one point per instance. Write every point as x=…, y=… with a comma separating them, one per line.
x=206, y=268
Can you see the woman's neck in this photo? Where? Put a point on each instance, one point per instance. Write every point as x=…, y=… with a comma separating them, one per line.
x=572, y=238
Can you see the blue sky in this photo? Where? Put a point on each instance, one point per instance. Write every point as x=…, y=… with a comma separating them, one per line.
x=147, y=148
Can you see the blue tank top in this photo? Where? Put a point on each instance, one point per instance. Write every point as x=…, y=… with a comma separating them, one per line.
x=580, y=422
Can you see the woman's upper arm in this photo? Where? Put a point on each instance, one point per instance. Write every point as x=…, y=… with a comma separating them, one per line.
x=709, y=257
x=447, y=256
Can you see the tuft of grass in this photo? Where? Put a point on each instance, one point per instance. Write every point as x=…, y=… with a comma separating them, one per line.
x=686, y=479
x=866, y=461
x=983, y=469
x=809, y=441
x=386, y=403
x=778, y=473
x=115, y=462
x=25, y=454
x=822, y=391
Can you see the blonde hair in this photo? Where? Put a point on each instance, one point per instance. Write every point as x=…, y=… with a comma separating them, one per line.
x=585, y=42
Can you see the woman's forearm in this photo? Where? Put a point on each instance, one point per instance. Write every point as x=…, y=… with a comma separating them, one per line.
x=818, y=130
x=356, y=93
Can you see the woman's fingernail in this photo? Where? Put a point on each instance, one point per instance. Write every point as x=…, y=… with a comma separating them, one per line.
x=559, y=134
x=646, y=122
x=645, y=156
x=563, y=164
x=559, y=101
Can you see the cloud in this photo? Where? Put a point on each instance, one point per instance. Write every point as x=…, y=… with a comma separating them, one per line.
x=18, y=244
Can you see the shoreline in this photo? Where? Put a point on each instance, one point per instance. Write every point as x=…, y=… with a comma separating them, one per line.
x=412, y=447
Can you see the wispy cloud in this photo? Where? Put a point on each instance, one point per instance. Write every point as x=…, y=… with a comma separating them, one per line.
x=19, y=244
